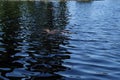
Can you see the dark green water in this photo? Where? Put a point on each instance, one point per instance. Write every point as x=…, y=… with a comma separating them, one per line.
x=83, y=41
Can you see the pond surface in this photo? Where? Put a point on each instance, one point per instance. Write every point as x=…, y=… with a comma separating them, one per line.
x=68, y=40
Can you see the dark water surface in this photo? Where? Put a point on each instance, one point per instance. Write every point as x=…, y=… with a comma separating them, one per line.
x=83, y=42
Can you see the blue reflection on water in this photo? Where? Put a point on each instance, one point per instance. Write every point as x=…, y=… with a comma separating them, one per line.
x=69, y=40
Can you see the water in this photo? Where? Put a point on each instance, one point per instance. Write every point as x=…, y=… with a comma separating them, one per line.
x=82, y=42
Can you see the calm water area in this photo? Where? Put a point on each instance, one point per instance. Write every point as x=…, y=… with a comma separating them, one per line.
x=60, y=40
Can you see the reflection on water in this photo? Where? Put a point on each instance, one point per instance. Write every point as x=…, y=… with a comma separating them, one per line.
x=26, y=51
x=62, y=40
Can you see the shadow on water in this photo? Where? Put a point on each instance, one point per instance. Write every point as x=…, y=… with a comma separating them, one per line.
x=26, y=50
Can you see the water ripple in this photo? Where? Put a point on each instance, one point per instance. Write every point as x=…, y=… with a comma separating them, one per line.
x=54, y=40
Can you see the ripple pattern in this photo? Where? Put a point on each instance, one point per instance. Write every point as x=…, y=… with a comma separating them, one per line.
x=60, y=40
